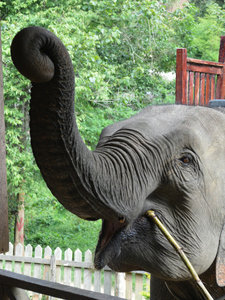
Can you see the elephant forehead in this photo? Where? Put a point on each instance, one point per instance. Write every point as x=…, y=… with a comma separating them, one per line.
x=194, y=125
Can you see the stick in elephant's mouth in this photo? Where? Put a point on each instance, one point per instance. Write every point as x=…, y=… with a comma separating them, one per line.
x=151, y=214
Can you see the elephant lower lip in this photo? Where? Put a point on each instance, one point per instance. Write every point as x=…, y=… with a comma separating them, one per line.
x=109, y=244
x=106, y=255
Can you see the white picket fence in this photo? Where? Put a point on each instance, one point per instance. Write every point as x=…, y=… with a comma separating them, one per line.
x=72, y=270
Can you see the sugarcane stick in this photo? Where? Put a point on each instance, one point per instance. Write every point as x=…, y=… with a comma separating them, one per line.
x=173, y=242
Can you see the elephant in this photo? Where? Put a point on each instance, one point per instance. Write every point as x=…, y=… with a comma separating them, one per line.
x=166, y=158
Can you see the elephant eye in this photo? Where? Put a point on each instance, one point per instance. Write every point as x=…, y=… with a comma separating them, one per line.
x=186, y=159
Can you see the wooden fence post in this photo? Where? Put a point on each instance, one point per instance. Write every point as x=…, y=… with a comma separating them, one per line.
x=58, y=256
x=18, y=252
x=138, y=286
x=97, y=281
x=181, y=76
x=56, y=270
x=8, y=264
x=129, y=287
x=222, y=50
x=67, y=270
x=37, y=267
x=51, y=267
x=220, y=91
x=47, y=268
x=107, y=282
x=120, y=285
x=27, y=266
x=77, y=272
x=87, y=272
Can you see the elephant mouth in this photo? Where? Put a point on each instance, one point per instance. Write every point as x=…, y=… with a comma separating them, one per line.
x=109, y=243
x=116, y=242
x=114, y=238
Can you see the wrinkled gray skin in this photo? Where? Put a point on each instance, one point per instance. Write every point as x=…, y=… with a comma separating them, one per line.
x=167, y=158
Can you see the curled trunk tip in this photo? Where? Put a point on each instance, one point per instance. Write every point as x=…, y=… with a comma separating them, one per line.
x=28, y=57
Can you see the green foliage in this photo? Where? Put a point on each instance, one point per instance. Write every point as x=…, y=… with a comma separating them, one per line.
x=200, y=33
x=20, y=161
x=47, y=223
x=206, y=34
x=91, y=127
x=184, y=20
x=119, y=49
x=203, y=4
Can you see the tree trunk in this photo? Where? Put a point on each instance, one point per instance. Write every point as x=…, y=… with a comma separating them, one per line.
x=19, y=221
x=4, y=232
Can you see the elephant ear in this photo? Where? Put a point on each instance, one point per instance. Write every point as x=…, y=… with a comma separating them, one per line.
x=220, y=260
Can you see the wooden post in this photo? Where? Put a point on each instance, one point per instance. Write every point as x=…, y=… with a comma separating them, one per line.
x=4, y=231
x=181, y=76
x=3, y=293
x=220, y=89
x=52, y=271
x=87, y=272
x=120, y=285
x=67, y=270
x=52, y=268
x=138, y=286
x=77, y=271
x=222, y=50
x=129, y=288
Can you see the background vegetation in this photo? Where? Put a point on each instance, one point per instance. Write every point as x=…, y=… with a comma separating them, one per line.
x=120, y=50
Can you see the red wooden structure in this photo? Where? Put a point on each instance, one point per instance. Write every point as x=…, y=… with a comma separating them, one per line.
x=199, y=81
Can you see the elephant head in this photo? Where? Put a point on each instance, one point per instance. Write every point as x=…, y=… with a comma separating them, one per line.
x=167, y=158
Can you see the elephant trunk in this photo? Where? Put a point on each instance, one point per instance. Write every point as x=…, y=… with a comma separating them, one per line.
x=90, y=184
